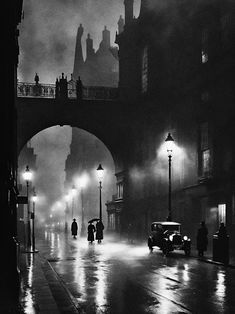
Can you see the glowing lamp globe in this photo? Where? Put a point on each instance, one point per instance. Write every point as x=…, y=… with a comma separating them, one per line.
x=100, y=172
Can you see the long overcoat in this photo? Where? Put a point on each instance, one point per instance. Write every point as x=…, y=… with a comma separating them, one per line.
x=202, y=240
x=99, y=230
x=74, y=228
x=91, y=230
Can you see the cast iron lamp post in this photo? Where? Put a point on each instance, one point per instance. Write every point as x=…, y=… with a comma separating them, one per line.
x=34, y=198
x=169, y=145
x=28, y=177
x=100, y=172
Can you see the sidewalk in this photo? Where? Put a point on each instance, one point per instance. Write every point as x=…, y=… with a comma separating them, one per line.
x=42, y=290
x=208, y=258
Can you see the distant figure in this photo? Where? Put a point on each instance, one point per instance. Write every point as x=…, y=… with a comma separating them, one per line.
x=36, y=79
x=74, y=228
x=90, y=230
x=222, y=232
x=99, y=231
x=202, y=240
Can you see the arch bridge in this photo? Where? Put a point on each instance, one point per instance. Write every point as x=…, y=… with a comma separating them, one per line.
x=94, y=109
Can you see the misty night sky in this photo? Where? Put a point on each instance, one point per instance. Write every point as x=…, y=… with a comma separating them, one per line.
x=48, y=33
x=47, y=46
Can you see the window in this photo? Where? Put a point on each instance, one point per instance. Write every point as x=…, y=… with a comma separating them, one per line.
x=204, y=51
x=205, y=159
x=204, y=136
x=222, y=213
x=206, y=162
x=145, y=70
x=120, y=190
x=204, y=57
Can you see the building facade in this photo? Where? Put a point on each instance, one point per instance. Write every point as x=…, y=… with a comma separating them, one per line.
x=99, y=68
x=8, y=178
x=175, y=64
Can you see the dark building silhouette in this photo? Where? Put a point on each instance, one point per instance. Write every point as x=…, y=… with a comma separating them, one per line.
x=8, y=178
x=27, y=157
x=178, y=74
x=100, y=68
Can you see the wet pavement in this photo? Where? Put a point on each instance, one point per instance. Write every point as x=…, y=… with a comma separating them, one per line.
x=71, y=276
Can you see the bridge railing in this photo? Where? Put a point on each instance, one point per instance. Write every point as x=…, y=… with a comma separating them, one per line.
x=35, y=90
x=49, y=91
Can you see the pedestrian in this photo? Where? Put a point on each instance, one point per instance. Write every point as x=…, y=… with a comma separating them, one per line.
x=74, y=228
x=90, y=230
x=99, y=231
x=222, y=232
x=202, y=240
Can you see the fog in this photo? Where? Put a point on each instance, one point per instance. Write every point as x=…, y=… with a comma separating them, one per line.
x=52, y=147
x=48, y=33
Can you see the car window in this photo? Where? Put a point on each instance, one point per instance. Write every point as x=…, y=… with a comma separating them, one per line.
x=171, y=228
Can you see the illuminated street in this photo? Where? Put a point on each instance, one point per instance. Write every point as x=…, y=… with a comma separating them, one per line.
x=116, y=277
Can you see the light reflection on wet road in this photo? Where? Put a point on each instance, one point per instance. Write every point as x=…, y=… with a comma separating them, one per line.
x=115, y=277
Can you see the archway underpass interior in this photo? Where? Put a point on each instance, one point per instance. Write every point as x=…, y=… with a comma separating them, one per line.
x=63, y=161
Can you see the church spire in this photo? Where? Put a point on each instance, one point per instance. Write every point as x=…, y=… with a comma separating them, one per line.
x=128, y=11
x=120, y=24
x=78, y=60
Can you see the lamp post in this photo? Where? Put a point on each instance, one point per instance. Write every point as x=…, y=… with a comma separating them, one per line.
x=169, y=143
x=28, y=177
x=100, y=172
x=34, y=198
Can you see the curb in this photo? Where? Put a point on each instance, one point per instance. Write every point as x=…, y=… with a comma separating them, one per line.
x=210, y=261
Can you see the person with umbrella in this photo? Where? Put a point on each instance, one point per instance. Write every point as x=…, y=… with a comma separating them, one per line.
x=99, y=231
x=91, y=230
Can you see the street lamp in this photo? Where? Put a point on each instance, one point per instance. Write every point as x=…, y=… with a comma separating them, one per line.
x=169, y=146
x=100, y=173
x=27, y=175
x=34, y=199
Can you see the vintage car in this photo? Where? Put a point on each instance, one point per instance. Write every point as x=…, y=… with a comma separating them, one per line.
x=167, y=236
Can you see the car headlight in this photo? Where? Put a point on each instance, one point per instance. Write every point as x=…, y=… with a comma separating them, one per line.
x=185, y=238
x=171, y=237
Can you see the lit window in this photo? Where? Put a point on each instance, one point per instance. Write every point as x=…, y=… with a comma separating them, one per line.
x=204, y=39
x=145, y=70
x=204, y=57
x=206, y=162
x=222, y=213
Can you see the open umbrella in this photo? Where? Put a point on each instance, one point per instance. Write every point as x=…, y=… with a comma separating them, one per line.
x=92, y=220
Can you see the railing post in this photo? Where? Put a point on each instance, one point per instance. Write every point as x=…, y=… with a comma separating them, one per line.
x=62, y=88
